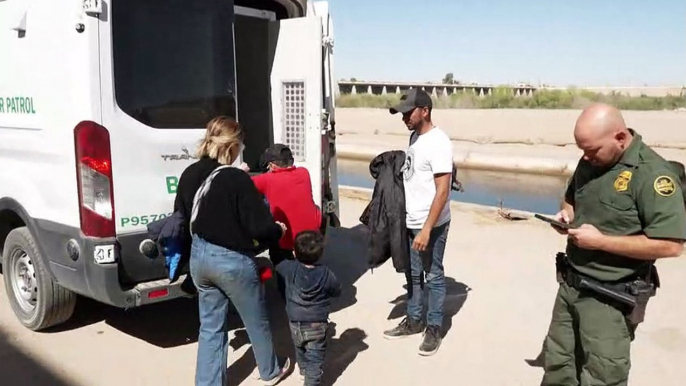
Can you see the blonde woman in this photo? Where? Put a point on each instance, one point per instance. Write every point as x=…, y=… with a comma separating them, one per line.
x=231, y=216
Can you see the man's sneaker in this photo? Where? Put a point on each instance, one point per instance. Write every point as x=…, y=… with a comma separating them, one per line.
x=431, y=342
x=284, y=372
x=407, y=327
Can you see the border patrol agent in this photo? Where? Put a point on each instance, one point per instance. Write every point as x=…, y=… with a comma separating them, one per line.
x=625, y=208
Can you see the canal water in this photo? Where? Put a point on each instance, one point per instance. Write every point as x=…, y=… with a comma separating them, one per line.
x=531, y=193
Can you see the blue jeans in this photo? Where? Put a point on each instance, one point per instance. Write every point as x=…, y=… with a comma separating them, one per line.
x=220, y=275
x=435, y=279
x=310, y=346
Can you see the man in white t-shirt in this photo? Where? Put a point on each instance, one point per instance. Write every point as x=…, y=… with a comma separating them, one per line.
x=427, y=179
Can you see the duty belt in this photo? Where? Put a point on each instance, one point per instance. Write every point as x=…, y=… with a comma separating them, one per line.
x=629, y=292
x=617, y=292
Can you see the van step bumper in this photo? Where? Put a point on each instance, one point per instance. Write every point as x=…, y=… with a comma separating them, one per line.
x=103, y=282
x=159, y=291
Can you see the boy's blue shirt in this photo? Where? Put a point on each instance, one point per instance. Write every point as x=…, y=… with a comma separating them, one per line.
x=308, y=291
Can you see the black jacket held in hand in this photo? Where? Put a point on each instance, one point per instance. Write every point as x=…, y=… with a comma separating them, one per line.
x=385, y=214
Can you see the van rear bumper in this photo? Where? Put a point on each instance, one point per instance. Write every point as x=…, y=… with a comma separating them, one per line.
x=70, y=258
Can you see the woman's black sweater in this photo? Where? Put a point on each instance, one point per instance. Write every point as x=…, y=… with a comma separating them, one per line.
x=232, y=214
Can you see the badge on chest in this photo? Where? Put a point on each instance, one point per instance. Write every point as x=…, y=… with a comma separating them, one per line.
x=622, y=182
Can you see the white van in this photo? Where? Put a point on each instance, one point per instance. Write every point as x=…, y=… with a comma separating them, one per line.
x=102, y=104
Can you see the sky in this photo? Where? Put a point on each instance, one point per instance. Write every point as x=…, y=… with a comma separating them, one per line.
x=554, y=42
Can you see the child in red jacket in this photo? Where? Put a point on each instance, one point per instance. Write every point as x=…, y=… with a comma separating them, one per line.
x=288, y=189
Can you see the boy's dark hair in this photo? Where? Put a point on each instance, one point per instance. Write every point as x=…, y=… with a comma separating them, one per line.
x=309, y=246
x=278, y=154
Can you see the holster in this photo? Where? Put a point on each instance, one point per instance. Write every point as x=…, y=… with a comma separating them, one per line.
x=642, y=291
x=560, y=266
x=631, y=297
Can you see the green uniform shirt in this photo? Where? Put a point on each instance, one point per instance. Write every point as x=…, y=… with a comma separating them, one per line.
x=639, y=195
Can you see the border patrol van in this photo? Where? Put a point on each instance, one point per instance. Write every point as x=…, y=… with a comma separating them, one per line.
x=102, y=105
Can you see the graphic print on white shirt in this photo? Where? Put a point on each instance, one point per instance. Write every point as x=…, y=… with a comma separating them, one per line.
x=429, y=154
x=408, y=171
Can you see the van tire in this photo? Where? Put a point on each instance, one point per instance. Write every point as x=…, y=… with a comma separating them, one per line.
x=49, y=303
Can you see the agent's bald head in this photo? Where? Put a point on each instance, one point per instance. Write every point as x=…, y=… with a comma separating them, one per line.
x=602, y=134
x=599, y=120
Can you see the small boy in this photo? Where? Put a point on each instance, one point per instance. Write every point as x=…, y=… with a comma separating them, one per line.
x=288, y=190
x=309, y=287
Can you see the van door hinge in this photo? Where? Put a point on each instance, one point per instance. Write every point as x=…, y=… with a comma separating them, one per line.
x=329, y=207
x=327, y=42
x=326, y=126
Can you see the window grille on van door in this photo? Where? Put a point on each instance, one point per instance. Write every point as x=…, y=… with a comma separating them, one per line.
x=294, y=117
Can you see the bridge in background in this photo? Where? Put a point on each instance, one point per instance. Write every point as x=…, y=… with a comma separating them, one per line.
x=435, y=89
x=380, y=88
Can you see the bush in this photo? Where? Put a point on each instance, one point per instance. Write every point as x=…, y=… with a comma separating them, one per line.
x=368, y=100
x=504, y=97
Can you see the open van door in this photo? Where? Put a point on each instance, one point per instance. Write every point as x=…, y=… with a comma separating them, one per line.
x=156, y=100
x=297, y=92
x=330, y=171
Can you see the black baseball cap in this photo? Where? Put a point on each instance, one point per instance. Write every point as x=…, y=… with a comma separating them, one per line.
x=411, y=100
x=276, y=152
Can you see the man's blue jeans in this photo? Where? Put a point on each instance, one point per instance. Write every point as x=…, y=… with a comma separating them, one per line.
x=435, y=279
x=221, y=274
x=310, y=347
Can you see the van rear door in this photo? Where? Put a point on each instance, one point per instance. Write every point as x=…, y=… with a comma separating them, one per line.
x=297, y=93
x=167, y=69
x=330, y=161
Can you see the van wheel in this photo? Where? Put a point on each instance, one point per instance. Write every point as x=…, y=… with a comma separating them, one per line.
x=37, y=301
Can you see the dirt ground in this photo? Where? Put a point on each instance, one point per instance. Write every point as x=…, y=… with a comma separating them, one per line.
x=501, y=287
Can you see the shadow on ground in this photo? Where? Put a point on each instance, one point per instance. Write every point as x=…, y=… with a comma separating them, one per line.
x=345, y=255
x=17, y=368
x=342, y=351
x=169, y=324
x=456, y=296
x=175, y=323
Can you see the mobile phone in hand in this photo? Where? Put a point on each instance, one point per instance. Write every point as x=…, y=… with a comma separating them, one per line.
x=556, y=223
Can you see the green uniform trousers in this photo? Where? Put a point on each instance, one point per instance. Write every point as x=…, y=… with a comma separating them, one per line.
x=588, y=342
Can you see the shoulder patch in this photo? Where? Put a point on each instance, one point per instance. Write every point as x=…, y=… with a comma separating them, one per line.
x=622, y=182
x=664, y=186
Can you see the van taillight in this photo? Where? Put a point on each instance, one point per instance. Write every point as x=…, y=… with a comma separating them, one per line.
x=94, y=177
